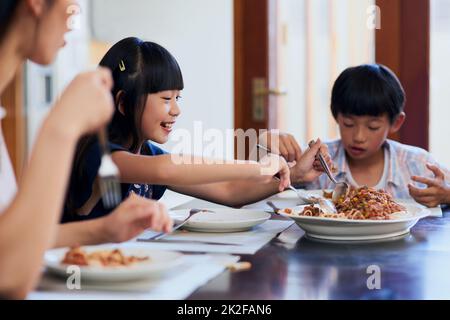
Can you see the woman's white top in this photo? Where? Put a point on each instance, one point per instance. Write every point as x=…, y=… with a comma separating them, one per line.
x=8, y=184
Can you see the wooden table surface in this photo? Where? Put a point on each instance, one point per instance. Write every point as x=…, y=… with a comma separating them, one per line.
x=415, y=266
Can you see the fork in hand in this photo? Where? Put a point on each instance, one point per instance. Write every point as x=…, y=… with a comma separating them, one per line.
x=109, y=181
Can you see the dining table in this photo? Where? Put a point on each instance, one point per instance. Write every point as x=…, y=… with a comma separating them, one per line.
x=412, y=266
x=292, y=266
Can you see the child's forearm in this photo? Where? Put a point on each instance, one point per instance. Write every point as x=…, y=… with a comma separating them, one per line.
x=241, y=193
x=164, y=170
x=28, y=226
x=80, y=233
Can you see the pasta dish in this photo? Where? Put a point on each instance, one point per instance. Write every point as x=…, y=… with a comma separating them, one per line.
x=102, y=258
x=359, y=204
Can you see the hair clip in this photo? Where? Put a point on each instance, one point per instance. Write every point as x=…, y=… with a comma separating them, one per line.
x=121, y=65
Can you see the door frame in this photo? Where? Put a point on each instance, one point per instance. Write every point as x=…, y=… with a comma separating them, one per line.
x=403, y=44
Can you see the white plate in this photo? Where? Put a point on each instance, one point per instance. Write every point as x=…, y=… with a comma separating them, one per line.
x=160, y=263
x=221, y=220
x=357, y=230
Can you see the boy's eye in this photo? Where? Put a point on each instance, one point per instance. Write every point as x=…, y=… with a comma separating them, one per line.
x=178, y=98
x=348, y=125
x=374, y=128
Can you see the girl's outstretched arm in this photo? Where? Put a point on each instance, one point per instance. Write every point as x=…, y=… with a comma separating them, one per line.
x=231, y=193
x=242, y=192
x=166, y=170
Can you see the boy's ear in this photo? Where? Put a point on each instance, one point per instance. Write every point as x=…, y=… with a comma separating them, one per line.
x=398, y=122
x=119, y=102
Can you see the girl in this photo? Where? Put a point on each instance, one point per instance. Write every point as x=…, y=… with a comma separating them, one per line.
x=147, y=85
x=34, y=29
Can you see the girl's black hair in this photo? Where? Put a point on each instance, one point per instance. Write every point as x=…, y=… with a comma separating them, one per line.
x=138, y=68
x=368, y=90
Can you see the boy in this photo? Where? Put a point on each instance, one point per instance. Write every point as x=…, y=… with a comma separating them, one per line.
x=367, y=102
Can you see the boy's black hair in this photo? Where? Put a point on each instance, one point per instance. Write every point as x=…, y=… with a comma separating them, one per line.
x=368, y=90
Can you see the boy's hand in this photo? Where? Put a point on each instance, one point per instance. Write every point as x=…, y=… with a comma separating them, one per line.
x=437, y=191
x=285, y=145
x=308, y=167
x=281, y=143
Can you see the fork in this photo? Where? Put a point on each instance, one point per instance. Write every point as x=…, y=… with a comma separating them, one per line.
x=341, y=188
x=109, y=181
x=300, y=196
x=161, y=235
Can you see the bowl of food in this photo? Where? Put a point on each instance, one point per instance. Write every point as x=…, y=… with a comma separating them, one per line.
x=363, y=214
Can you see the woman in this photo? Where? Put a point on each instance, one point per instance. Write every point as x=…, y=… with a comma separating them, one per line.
x=29, y=215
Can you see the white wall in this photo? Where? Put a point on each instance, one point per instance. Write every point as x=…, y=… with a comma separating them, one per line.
x=199, y=33
x=439, y=83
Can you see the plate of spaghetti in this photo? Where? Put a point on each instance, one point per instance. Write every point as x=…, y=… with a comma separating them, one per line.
x=121, y=262
x=363, y=214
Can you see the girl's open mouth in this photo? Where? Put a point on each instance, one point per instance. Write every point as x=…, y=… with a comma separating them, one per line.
x=167, y=126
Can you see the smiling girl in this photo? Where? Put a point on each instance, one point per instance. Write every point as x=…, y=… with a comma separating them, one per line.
x=147, y=86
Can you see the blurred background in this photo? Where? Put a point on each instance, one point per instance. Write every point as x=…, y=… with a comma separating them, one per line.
x=262, y=64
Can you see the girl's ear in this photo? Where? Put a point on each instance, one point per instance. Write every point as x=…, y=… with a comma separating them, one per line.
x=398, y=122
x=119, y=102
x=36, y=7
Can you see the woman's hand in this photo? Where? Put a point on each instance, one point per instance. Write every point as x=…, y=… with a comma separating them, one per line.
x=308, y=167
x=437, y=191
x=272, y=165
x=86, y=104
x=134, y=216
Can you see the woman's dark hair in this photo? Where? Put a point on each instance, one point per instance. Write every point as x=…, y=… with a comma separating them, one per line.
x=7, y=11
x=138, y=68
x=368, y=90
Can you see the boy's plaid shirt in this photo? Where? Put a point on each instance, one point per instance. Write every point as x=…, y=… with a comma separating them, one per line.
x=404, y=161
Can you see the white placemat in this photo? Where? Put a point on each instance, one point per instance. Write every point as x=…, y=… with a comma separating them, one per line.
x=248, y=242
x=197, y=271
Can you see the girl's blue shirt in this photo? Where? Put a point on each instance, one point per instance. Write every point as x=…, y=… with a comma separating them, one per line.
x=90, y=171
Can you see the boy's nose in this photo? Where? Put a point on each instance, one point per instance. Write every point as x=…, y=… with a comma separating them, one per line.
x=359, y=136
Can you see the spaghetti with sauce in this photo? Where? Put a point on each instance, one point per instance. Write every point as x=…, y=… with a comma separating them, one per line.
x=359, y=204
x=103, y=258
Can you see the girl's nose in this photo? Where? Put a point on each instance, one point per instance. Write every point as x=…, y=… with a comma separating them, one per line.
x=175, y=110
